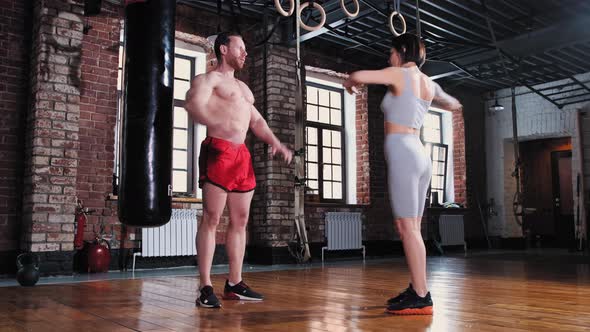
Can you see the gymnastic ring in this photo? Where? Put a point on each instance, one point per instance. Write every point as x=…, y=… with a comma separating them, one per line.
x=349, y=14
x=392, y=28
x=280, y=9
x=320, y=9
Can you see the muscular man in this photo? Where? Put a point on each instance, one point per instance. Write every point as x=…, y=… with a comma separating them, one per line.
x=226, y=106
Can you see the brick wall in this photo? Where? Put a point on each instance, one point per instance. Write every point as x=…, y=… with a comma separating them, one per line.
x=459, y=164
x=99, y=60
x=273, y=213
x=52, y=128
x=14, y=62
x=363, y=190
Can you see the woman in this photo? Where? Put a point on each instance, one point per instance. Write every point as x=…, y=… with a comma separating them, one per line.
x=410, y=94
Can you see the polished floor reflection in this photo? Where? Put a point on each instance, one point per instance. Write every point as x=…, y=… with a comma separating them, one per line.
x=486, y=292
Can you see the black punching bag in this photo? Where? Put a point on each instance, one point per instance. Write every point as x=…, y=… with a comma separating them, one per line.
x=146, y=152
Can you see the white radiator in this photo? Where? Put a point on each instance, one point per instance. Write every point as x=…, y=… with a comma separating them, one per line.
x=176, y=238
x=451, y=230
x=344, y=231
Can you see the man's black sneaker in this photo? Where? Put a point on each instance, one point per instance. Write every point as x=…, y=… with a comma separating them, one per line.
x=207, y=298
x=240, y=291
x=401, y=295
x=412, y=304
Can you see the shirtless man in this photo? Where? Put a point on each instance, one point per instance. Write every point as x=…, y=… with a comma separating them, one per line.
x=226, y=106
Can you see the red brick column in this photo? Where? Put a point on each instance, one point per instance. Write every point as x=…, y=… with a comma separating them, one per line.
x=459, y=165
x=363, y=188
x=51, y=146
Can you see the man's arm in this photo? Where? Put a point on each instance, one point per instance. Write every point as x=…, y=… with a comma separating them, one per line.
x=443, y=100
x=260, y=128
x=197, y=98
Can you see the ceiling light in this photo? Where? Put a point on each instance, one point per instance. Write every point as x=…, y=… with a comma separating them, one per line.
x=496, y=107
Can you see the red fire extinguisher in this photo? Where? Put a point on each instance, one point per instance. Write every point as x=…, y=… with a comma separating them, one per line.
x=81, y=217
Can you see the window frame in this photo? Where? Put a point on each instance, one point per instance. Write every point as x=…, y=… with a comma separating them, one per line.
x=440, y=124
x=323, y=126
x=190, y=186
x=431, y=146
x=445, y=164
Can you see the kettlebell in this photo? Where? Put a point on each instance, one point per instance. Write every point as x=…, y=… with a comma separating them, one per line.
x=28, y=269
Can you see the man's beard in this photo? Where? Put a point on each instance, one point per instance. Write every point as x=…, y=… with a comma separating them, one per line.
x=236, y=64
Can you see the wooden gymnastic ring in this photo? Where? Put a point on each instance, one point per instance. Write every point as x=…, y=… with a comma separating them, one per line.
x=280, y=9
x=349, y=14
x=320, y=9
x=392, y=28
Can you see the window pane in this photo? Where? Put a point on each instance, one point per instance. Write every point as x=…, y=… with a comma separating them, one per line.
x=431, y=135
x=119, y=80
x=180, y=140
x=337, y=156
x=313, y=185
x=312, y=95
x=336, y=173
x=180, y=118
x=182, y=68
x=312, y=153
x=336, y=142
x=431, y=131
x=179, y=159
x=429, y=120
x=337, y=190
x=180, y=89
x=335, y=99
x=179, y=181
x=121, y=55
x=336, y=117
x=327, y=174
x=312, y=171
x=327, y=155
x=326, y=138
x=312, y=136
x=312, y=113
x=327, y=189
x=324, y=97
x=324, y=115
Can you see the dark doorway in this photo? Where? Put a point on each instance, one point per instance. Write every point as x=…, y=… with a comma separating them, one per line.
x=563, y=198
x=548, y=192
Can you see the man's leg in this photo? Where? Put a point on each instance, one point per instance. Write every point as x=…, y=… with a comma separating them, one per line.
x=214, y=199
x=235, y=243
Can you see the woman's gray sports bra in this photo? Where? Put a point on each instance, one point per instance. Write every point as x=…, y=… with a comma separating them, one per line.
x=405, y=109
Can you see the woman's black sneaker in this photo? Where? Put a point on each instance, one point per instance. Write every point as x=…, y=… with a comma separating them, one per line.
x=401, y=295
x=240, y=291
x=207, y=298
x=412, y=304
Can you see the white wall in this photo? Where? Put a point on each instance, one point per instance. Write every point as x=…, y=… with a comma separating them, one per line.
x=536, y=118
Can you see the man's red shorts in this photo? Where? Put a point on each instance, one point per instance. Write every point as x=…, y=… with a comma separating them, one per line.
x=227, y=165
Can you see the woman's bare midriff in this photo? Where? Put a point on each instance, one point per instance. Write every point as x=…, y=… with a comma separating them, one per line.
x=394, y=128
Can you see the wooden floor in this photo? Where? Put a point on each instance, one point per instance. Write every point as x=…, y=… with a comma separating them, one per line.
x=480, y=293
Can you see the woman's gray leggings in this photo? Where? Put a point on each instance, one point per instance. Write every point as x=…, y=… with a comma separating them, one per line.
x=409, y=169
